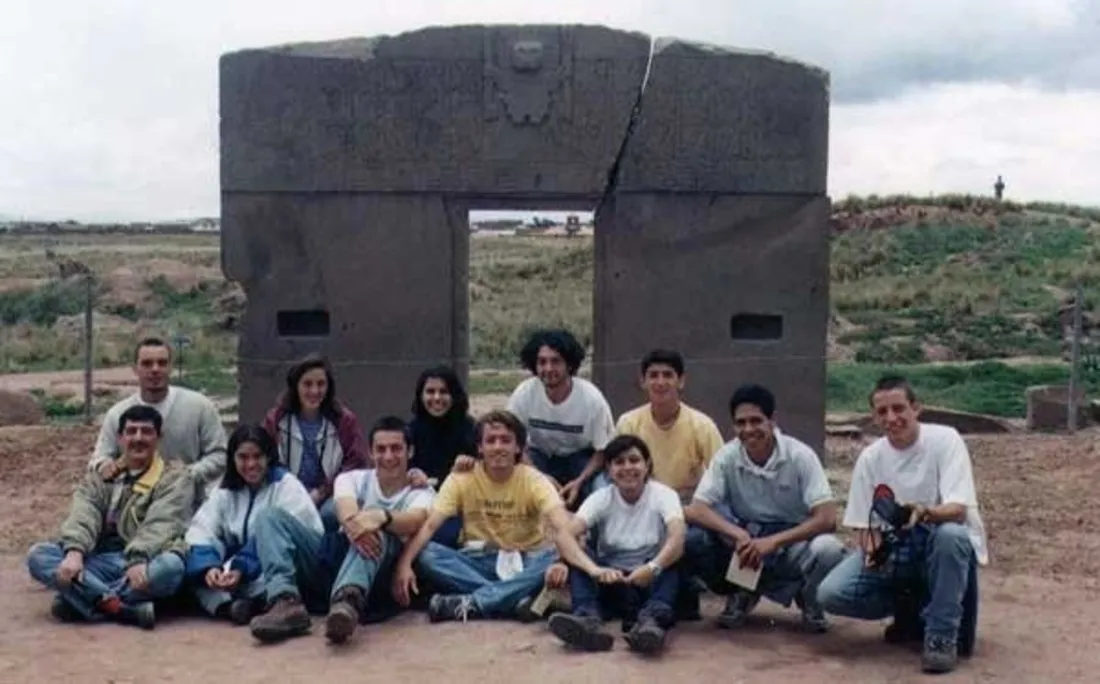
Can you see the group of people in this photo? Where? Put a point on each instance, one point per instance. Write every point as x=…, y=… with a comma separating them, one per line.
x=495, y=518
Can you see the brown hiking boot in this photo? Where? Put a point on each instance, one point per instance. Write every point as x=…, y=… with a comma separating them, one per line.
x=286, y=618
x=343, y=615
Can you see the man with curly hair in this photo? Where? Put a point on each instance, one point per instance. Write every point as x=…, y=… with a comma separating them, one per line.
x=568, y=419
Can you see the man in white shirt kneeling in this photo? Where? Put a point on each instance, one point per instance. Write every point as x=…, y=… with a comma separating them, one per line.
x=935, y=553
x=631, y=574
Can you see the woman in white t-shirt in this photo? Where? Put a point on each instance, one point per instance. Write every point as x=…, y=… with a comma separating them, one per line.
x=631, y=574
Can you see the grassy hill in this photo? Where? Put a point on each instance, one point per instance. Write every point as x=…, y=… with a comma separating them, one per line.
x=914, y=280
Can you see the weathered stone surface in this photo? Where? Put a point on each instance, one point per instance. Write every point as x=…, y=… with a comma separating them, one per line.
x=672, y=272
x=348, y=169
x=719, y=120
x=489, y=110
x=384, y=268
x=1048, y=408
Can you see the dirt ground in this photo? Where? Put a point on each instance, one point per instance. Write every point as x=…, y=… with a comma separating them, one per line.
x=1039, y=622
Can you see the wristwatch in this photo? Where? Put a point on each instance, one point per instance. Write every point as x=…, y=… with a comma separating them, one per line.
x=655, y=567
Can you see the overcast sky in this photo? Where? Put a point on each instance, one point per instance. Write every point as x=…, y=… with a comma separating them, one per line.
x=109, y=109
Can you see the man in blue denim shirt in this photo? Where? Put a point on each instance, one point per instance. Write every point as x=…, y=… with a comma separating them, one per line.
x=765, y=498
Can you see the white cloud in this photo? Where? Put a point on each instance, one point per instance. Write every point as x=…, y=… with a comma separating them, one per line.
x=110, y=108
x=959, y=138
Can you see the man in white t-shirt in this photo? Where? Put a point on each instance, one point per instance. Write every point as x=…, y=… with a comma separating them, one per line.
x=767, y=506
x=568, y=420
x=632, y=573
x=928, y=467
x=378, y=509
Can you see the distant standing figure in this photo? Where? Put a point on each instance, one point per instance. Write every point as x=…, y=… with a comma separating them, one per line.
x=567, y=418
x=999, y=188
x=317, y=437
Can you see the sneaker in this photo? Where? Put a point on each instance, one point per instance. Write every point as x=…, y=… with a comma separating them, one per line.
x=525, y=610
x=738, y=605
x=63, y=611
x=141, y=614
x=343, y=616
x=286, y=618
x=582, y=632
x=939, y=654
x=452, y=607
x=813, y=617
x=646, y=636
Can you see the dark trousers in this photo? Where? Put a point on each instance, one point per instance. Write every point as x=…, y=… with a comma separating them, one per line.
x=624, y=601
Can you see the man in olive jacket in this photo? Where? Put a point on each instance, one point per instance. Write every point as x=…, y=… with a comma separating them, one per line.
x=122, y=544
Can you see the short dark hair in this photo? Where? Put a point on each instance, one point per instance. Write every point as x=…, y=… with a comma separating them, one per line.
x=560, y=340
x=508, y=420
x=140, y=413
x=759, y=396
x=389, y=424
x=292, y=403
x=621, y=444
x=665, y=357
x=892, y=382
x=151, y=341
x=243, y=434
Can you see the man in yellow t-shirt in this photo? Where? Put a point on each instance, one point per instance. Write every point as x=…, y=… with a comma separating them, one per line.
x=504, y=554
x=681, y=439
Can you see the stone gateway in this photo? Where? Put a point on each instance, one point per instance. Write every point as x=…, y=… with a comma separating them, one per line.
x=348, y=169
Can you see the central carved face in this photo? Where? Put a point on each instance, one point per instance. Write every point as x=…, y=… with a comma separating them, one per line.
x=527, y=55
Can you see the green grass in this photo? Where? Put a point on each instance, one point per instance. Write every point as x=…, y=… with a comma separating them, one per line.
x=988, y=387
x=953, y=276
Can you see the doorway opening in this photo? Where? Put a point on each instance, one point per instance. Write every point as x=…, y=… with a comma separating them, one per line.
x=529, y=268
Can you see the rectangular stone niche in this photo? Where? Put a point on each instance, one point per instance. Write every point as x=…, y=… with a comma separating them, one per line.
x=302, y=323
x=752, y=327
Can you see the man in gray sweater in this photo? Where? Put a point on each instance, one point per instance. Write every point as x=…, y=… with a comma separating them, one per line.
x=192, y=432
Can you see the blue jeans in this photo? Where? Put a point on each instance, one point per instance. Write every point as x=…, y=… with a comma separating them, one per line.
x=565, y=467
x=327, y=509
x=947, y=562
x=104, y=575
x=371, y=577
x=449, y=532
x=629, y=603
x=296, y=560
x=474, y=573
x=792, y=571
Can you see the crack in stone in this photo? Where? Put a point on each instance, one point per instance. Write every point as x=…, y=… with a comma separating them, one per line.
x=635, y=112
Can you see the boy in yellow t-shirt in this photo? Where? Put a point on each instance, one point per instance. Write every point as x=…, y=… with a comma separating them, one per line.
x=504, y=554
x=682, y=439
